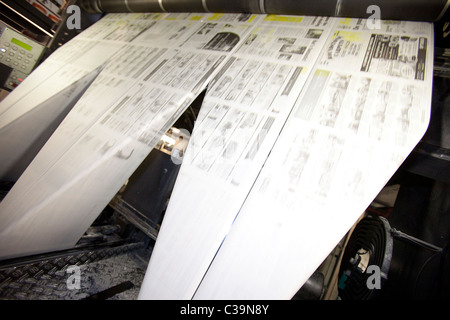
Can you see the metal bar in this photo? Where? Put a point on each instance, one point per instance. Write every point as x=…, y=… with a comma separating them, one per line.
x=422, y=10
x=406, y=237
x=134, y=219
x=26, y=19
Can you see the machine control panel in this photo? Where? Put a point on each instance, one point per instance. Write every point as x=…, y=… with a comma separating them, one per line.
x=18, y=52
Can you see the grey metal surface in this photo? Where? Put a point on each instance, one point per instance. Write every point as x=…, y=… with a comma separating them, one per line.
x=48, y=281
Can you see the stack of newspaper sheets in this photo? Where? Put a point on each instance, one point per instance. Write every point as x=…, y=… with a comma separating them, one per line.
x=304, y=121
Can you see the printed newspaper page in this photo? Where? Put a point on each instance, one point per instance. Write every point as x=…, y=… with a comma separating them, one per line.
x=31, y=110
x=365, y=106
x=141, y=91
x=244, y=110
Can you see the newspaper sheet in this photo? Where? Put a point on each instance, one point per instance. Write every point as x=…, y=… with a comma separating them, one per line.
x=243, y=112
x=22, y=139
x=141, y=91
x=67, y=69
x=304, y=121
x=365, y=106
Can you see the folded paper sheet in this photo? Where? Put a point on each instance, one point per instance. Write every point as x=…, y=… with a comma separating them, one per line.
x=232, y=231
x=162, y=63
x=23, y=137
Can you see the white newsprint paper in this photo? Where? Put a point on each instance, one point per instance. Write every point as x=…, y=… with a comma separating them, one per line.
x=365, y=106
x=142, y=89
x=246, y=224
x=244, y=110
x=304, y=121
x=32, y=111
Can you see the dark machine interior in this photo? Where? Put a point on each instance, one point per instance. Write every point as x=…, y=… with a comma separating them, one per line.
x=407, y=235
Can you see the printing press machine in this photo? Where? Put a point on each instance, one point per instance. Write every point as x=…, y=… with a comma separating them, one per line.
x=406, y=228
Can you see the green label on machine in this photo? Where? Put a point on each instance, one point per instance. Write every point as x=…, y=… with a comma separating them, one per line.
x=21, y=44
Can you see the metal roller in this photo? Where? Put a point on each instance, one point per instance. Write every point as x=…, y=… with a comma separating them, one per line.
x=422, y=10
x=183, y=5
x=90, y=6
x=236, y=6
x=313, y=8
x=121, y=6
x=141, y=5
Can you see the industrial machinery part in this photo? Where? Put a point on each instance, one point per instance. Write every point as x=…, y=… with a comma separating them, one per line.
x=108, y=293
x=45, y=276
x=370, y=244
x=21, y=268
x=430, y=10
x=19, y=53
x=374, y=255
